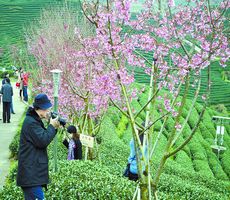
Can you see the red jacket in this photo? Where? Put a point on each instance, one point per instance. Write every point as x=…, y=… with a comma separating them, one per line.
x=25, y=77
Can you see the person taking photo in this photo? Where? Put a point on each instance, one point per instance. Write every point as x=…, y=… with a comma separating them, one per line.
x=32, y=172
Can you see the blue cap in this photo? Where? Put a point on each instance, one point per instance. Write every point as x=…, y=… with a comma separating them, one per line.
x=42, y=102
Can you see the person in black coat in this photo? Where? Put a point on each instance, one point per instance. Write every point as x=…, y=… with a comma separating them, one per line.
x=7, y=93
x=4, y=81
x=73, y=144
x=32, y=172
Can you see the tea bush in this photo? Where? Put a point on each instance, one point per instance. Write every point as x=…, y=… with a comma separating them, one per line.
x=185, y=161
x=170, y=124
x=114, y=114
x=122, y=126
x=216, y=167
x=10, y=72
x=191, y=174
x=80, y=180
x=222, y=187
x=127, y=135
x=137, y=107
x=225, y=160
x=202, y=167
x=14, y=145
x=204, y=131
x=178, y=188
x=193, y=119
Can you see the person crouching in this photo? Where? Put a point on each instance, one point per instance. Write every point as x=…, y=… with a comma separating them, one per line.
x=73, y=143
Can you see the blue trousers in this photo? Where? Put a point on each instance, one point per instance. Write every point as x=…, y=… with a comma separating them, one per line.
x=25, y=94
x=11, y=107
x=32, y=193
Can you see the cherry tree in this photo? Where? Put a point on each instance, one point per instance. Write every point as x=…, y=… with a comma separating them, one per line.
x=94, y=51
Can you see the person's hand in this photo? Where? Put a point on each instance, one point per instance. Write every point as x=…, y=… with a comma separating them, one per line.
x=54, y=122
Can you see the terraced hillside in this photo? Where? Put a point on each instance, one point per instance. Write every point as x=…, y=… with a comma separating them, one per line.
x=220, y=89
x=14, y=16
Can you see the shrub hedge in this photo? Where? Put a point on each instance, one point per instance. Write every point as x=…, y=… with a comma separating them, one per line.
x=122, y=126
x=189, y=176
x=80, y=180
x=10, y=72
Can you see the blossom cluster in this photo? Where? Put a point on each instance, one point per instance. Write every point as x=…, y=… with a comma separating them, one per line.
x=182, y=40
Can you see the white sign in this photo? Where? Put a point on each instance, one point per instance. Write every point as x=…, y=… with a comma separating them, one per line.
x=220, y=130
x=87, y=140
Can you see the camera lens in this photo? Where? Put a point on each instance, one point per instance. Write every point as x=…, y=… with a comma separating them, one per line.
x=61, y=120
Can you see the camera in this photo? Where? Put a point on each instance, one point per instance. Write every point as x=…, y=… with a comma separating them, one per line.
x=61, y=120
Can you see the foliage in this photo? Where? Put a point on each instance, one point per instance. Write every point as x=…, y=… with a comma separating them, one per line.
x=183, y=178
x=122, y=126
x=199, y=179
x=170, y=124
x=215, y=166
x=205, y=132
x=220, y=108
x=178, y=52
x=10, y=72
x=202, y=167
x=226, y=75
x=11, y=177
x=114, y=158
x=14, y=145
x=225, y=161
x=80, y=180
x=114, y=115
x=178, y=188
x=193, y=118
x=184, y=41
x=184, y=160
x=127, y=135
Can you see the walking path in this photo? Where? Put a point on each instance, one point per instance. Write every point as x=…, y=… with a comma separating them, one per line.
x=7, y=132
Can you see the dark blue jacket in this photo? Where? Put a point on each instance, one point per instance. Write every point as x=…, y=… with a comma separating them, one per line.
x=32, y=155
x=7, y=92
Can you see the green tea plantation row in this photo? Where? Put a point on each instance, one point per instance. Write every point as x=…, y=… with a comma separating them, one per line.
x=194, y=173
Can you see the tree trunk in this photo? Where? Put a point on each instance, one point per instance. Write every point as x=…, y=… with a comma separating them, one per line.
x=144, y=188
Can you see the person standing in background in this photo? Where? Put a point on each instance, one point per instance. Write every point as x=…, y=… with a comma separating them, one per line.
x=3, y=82
x=20, y=81
x=73, y=144
x=7, y=93
x=25, y=79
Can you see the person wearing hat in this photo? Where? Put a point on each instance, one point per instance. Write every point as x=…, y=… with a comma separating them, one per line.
x=73, y=144
x=32, y=172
